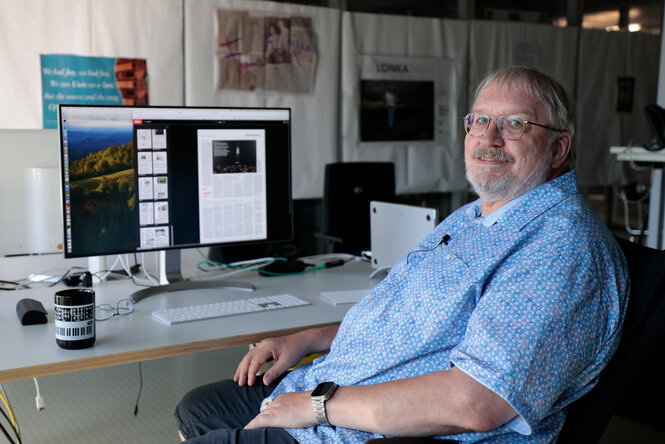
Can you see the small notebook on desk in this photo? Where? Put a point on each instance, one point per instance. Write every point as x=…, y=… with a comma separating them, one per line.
x=343, y=296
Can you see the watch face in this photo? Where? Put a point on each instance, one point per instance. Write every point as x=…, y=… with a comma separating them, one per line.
x=323, y=389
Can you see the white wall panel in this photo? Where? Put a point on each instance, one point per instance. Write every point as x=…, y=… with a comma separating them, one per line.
x=495, y=45
x=145, y=29
x=29, y=28
x=154, y=29
x=421, y=166
x=150, y=29
x=314, y=115
x=604, y=57
x=642, y=62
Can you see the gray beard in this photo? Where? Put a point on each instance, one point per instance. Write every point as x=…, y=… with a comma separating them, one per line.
x=508, y=187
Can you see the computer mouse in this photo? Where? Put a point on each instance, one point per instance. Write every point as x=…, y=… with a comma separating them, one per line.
x=278, y=268
x=30, y=312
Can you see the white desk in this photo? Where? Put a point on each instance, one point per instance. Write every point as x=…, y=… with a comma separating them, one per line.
x=656, y=222
x=31, y=351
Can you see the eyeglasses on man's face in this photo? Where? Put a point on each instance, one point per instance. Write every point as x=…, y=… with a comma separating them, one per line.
x=107, y=311
x=510, y=127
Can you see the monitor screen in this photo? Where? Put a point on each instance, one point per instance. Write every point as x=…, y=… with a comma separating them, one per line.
x=139, y=179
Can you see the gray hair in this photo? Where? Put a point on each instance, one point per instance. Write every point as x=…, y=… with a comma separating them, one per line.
x=559, y=104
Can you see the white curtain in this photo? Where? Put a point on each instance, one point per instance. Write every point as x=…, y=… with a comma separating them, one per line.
x=314, y=115
x=326, y=120
x=495, y=45
x=421, y=166
x=150, y=29
x=604, y=57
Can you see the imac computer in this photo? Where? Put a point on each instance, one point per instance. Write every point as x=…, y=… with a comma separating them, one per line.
x=138, y=179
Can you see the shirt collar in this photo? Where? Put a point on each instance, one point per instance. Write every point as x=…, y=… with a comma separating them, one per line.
x=538, y=199
x=494, y=216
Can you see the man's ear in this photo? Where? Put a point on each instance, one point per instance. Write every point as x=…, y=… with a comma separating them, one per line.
x=561, y=149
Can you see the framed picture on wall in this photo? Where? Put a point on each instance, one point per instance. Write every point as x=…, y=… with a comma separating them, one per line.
x=396, y=110
x=403, y=99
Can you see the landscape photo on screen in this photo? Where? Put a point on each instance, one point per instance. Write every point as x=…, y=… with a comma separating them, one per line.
x=102, y=183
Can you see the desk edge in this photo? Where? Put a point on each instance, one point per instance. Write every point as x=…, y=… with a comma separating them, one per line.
x=17, y=374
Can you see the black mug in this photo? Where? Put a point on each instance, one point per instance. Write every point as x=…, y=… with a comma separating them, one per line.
x=75, y=318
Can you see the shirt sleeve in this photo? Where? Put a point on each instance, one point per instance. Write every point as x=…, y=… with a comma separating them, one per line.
x=544, y=325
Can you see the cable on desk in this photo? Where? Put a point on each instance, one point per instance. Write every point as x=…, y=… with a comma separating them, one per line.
x=15, y=284
x=258, y=265
x=107, y=272
x=11, y=418
x=326, y=257
x=4, y=431
x=237, y=267
x=249, y=264
x=329, y=264
x=9, y=438
x=9, y=410
x=39, y=399
x=136, y=406
x=130, y=272
x=152, y=279
x=24, y=283
x=66, y=273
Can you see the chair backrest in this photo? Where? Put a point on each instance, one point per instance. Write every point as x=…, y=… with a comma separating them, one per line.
x=349, y=188
x=642, y=338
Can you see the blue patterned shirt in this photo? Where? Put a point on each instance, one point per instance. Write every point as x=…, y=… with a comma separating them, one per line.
x=530, y=305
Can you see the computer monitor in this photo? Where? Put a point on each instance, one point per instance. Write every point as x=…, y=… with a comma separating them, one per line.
x=137, y=179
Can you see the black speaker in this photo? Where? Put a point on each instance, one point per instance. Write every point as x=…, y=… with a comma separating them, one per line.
x=348, y=189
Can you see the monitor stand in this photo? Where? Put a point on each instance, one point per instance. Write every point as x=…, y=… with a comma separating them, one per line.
x=171, y=279
x=97, y=267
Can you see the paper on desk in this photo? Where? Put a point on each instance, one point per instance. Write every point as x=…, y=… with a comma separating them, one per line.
x=343, y=296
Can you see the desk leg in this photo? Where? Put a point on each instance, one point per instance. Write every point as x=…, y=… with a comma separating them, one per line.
x=656, y=208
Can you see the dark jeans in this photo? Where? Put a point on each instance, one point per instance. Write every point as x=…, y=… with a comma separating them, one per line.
x=217, y=412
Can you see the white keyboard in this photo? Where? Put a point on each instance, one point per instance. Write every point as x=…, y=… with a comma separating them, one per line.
x=177, y=315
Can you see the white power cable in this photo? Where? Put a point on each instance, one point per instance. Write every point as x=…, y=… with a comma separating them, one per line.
x=109, y=271
x=39, y=399
x=322, y=258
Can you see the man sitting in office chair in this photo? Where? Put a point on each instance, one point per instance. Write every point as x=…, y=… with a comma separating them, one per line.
x=504, y=315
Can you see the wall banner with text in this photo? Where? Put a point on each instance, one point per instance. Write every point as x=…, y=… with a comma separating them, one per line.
x=83, y=80
x=257, y=51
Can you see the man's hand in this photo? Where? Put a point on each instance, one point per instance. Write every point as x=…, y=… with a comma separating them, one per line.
x=289, y=411
x=286, y=351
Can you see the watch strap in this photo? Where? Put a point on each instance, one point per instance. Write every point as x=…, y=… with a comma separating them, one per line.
x=320, y=411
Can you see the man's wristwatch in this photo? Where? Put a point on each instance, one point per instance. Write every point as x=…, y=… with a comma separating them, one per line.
x=320, y=395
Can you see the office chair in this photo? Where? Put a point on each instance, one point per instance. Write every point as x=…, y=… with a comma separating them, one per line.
x=348, y=189
x=641, y=344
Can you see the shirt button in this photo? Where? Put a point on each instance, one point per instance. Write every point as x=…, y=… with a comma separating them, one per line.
x=439, y=248
x=404, y=273
x=448, y=256
x=301, y=384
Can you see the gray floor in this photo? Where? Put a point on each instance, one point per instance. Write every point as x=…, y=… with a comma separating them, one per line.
x=97, y=406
